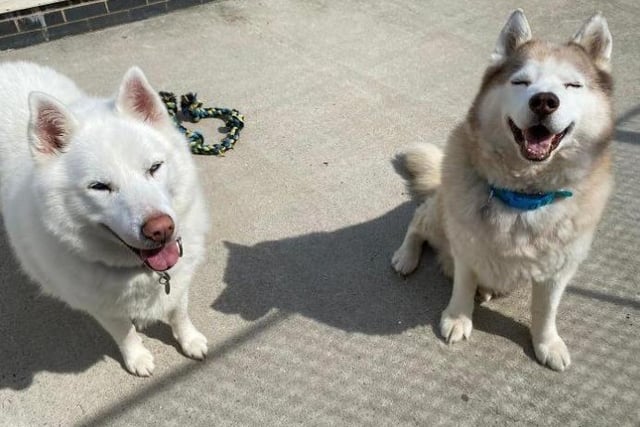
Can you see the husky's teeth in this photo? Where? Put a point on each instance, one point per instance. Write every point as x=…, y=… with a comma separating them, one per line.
x=536, y=142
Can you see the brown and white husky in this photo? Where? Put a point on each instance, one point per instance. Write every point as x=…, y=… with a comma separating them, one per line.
x=516, y=195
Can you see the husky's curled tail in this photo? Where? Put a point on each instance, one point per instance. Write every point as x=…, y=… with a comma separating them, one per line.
x=420, y=166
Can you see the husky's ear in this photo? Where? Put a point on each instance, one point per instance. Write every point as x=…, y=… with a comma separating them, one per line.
x=51, y=125
x=514, y=33
x=595, y=38
x=137, y=99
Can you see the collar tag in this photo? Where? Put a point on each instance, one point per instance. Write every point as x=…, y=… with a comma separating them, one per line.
x=165, y=280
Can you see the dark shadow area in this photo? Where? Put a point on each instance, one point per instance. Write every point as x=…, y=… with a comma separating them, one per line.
x=39, y=333
x=341, y=278
x=162, y=332
x=625, y=135
x=624, y=302
x=344, y=279
x=492, y=322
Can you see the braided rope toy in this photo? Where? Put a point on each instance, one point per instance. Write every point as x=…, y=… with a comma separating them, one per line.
x=192, y=110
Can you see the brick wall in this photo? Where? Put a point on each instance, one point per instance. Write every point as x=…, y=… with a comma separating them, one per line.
x=39, y=24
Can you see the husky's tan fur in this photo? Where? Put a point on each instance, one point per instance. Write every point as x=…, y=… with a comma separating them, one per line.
x=483, y=243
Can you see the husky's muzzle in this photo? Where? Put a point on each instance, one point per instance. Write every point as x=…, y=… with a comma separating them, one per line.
x=537, y=142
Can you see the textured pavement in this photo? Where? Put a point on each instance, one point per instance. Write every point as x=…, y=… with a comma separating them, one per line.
x=307, y=323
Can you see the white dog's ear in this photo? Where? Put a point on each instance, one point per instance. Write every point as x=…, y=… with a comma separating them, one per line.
x=51, y=125
x=515, y=33
x=595, y=38
x=137, y=99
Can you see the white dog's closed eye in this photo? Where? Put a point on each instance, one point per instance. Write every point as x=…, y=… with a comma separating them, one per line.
x=154, y=168
x=100, y=186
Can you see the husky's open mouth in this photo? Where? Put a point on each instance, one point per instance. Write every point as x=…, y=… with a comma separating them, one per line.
x=536, y=142
x=160, y=258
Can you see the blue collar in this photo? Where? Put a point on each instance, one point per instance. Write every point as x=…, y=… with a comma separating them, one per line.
x=527, y=201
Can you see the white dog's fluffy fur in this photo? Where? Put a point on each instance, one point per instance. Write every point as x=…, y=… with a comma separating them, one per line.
x=484, y=244
x=81, y=178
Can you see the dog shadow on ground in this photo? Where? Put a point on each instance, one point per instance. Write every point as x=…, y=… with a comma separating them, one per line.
x=629, y=119
x=344, y=279
x=39, y=333
x=341, y=278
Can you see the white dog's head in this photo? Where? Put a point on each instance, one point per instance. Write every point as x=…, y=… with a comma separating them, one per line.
x=540, y=101
x=114, y=177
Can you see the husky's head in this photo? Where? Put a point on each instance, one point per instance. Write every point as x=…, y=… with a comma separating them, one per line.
x=114, y=178
x=543, y=106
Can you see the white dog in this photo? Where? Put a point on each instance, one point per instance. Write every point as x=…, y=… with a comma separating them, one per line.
x=516, y=196
x=100, y=198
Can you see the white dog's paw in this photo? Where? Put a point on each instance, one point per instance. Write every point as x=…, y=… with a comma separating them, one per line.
x=139, y=361
x=404, y=261
x=455, y=328
x=553, y=353
x=194, y=345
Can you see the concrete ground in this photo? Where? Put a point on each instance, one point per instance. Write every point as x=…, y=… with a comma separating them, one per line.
x=307, y=322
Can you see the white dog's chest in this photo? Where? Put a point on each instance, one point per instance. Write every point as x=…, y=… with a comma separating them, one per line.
x=145, y=298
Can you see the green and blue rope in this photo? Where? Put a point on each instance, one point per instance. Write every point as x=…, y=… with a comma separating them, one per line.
x=191, y=109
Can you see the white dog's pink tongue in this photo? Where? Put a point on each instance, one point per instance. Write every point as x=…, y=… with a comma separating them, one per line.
x=538, y=141
x=163, y=258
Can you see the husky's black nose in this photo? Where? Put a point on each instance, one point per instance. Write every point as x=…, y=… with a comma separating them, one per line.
x=544, y=103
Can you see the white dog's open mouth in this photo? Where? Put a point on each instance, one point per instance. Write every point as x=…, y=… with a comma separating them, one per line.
x=536, y=142
x=161, y=258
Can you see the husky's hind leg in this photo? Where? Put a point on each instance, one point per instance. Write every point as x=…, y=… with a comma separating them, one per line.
x=420, y=167
x=424, y=227
x=406, y=258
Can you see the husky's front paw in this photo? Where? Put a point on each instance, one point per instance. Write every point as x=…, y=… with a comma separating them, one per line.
x=553, y=353
x=194, y=345
x=404, y=261
x=138, y=360
x=455, y=328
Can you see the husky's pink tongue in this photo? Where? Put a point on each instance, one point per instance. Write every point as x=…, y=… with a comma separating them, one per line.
x=538, y=142
x=163, y=258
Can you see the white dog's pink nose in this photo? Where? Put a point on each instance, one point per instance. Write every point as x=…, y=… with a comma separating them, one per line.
x=158, y=228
